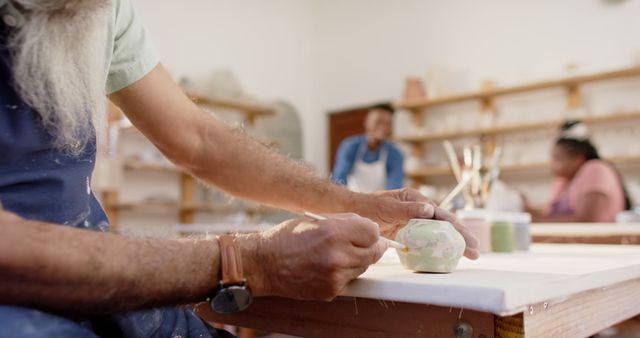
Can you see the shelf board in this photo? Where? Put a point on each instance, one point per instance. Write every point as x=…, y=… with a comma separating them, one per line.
x=139, y=165
x=429, y=172
x=477, y=132
x=247, y=107
x=487, y=94
x=628, y=159
x=622, y=116
x=509, y=168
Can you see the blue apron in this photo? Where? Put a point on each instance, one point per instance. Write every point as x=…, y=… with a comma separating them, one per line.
x=37, y=181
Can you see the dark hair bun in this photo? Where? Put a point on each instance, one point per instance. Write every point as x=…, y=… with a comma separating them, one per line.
x=568, y=124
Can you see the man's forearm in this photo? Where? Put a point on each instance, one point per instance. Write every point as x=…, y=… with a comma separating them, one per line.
x=70, y=270
x=221, y=156
x=243, y=167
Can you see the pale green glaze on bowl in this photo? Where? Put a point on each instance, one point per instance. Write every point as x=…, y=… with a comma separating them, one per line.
x=434, y=246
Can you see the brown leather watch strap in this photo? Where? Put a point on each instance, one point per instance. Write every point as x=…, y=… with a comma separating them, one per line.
x=231, y=260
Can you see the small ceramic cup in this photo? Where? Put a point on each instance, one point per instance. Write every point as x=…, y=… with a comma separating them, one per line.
x=433, y=246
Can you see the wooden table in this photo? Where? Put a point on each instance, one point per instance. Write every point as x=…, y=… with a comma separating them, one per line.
x=556, y=290
x=588, y=233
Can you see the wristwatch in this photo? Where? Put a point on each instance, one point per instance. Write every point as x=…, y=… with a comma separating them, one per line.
x=232, y=294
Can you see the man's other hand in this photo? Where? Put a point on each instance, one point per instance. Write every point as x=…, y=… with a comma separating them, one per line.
x=394, y=208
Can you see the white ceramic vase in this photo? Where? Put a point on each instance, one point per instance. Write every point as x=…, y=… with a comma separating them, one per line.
x=433, y=246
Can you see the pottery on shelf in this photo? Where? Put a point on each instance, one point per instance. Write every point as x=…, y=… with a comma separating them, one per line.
x=432, y=246
x=414, y=89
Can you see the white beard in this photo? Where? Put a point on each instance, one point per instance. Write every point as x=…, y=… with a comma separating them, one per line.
x=58, y=56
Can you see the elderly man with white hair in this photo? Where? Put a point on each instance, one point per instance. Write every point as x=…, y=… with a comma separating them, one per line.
x=58, y=278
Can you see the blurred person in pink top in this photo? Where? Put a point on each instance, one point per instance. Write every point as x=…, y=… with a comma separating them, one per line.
x=587, y=188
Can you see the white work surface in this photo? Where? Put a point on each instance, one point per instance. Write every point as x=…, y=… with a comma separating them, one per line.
x=503, y=284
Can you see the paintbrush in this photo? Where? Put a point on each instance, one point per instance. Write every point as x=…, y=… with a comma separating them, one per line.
x=476, y=181
x=453, y=160
x=460, y=174
x=391, y=243
x=445, y=202
x=493, y=171
x=468, y=172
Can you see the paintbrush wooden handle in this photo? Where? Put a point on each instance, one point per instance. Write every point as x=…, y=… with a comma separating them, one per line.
x=391, y=243
x=454, y=192
x=453, y=160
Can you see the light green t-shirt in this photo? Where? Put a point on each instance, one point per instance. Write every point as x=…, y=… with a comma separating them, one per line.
x=130, y=53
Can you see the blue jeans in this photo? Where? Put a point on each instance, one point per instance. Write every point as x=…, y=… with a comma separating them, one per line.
x=155, y=323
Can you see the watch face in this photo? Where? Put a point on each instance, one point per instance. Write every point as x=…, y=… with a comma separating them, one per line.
x=231, y=299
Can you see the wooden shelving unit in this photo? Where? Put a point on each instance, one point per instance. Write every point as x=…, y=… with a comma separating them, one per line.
x=488, y=135
x=516, y=128
x=188, y=206
x=511, y=168
x=569, y=82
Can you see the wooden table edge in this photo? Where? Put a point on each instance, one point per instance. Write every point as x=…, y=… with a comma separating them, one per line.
x=580, y=315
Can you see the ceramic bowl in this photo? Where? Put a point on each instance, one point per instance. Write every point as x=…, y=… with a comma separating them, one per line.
x=433, y=246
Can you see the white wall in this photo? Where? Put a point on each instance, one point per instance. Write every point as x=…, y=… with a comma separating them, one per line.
x=267, y=45
x=322, y=55
x=367, y=48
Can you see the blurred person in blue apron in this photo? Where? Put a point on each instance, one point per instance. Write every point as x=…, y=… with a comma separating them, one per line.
x=369, y=162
